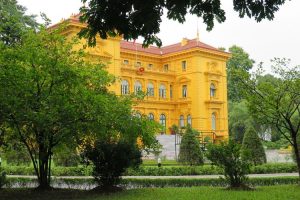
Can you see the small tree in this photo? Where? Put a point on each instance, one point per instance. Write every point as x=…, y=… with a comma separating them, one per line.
x=110, y=160
x=252, y=148
x=190, y=152
x=228, y=156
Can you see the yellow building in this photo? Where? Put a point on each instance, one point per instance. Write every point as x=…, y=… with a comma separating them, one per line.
x=185, y=82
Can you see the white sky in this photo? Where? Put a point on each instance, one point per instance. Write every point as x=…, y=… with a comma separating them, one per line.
x=263, y=41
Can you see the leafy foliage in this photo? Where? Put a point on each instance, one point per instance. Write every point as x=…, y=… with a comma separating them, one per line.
x=252, y=148
x=111, y=159
x=190, y=152
x=277, y=103
x=134, y=18
x=14, y=21
x=228, y=156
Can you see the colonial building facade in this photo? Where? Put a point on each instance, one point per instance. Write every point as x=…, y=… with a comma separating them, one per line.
x=184, y=83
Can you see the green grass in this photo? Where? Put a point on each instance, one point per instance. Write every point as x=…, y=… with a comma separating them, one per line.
x=287, y=192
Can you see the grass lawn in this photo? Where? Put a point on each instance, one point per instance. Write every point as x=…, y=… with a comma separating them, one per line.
x=288, y=192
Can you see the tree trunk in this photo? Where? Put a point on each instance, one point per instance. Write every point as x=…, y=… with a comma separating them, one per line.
x=297, y=156
x=44, y=178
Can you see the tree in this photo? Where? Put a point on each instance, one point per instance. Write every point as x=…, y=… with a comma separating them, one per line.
x=190, y=152
x=228, y=156
x=133, y=18
x=252, y=148
x=277, y=103
x=239, y=60
x=48, y=94
x=14, y=21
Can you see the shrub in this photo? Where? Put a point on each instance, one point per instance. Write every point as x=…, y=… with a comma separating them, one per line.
x=190, y=152
x=228, y=156
x=16, y=155
x=110, y=160
x=252, y=148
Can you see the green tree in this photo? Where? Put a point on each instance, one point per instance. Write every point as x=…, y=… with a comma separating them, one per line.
x=239, y=120
x=14, y=21
x=277, y=103
x=49, y=94
x=252, y=148
x=190, y=152
x=228, y=156
x=134, y=18
x=240, y=60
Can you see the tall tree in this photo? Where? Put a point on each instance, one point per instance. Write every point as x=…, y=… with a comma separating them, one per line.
x=240, y=60
x=50, y=95
x=133, y=18
x=14, y=21
x=277, y=103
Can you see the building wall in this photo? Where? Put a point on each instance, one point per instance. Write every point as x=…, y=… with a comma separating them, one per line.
x=203, y=68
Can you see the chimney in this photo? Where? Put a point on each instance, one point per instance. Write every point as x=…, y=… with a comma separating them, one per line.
x=184, y=41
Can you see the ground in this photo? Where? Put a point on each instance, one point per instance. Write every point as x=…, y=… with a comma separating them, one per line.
x=286, y=192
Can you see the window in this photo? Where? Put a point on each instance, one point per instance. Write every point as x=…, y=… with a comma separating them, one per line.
x=150, y=90
x=137, y=87
x=184, y=91
x=151, y=116
x=171, y=91
x=138, y=64
x=181, y=121
x=189, y=120
x=124, y=87
x=126, y=62
x=150, y=66
x=162, y=121
x=183, y=65
x=213, y=122
x=162, y=91
x=166, y=67
x=138, y=115
x=212, y=90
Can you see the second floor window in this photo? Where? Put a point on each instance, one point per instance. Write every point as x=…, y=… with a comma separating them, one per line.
x=184, y=91
x=126, y=62
x=124, y=87
x=212, y=90
x=162, y=91
x=166, y=67
x=181, y=121
x=171, y=91
x=183, y=65
x=151, y=116
x=150, y=66
x=150, y=90
x=138, y=64
x=137, y=87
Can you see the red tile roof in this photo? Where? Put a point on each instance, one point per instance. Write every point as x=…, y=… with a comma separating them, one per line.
x=166, y=49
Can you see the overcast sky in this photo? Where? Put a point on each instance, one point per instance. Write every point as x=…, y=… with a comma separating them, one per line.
x=263, y=41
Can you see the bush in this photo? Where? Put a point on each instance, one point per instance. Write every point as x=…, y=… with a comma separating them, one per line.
x=110, y=160
x=252, y=148
x=190, y=152
x=17, y=155
x=228, y=156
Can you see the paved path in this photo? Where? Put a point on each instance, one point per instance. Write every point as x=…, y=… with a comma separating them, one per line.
x=165, y=177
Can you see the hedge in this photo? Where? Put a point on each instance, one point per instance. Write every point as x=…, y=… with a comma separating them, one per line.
x=88, y=183
x=156, y=171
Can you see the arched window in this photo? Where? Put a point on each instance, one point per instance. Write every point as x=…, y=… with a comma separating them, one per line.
x=162, y=121
x=184, y=91
x=162, y=91
x=212, y=90
x=181, y=121
x=124, y=87
x=151, y=116
x=213, y=122
x=189, y=120
x=137, y=87
x=150, y=90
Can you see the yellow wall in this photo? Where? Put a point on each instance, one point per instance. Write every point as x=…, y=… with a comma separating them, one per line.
x=204, y=66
